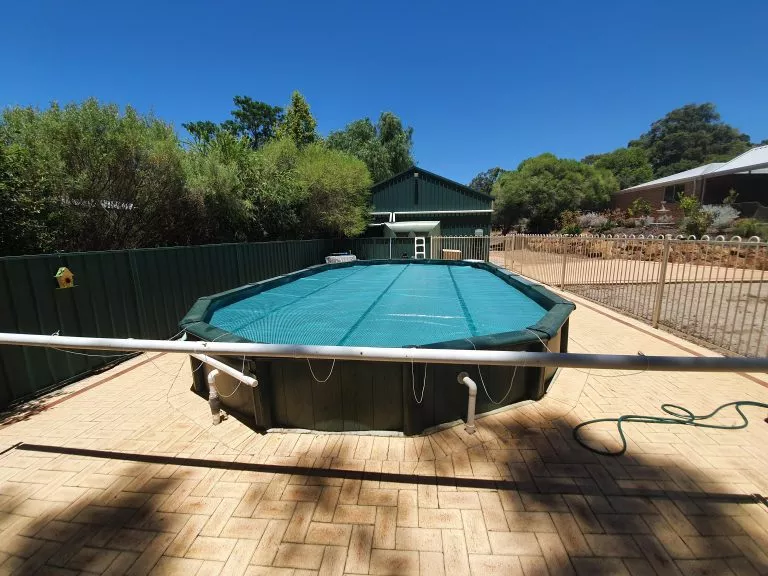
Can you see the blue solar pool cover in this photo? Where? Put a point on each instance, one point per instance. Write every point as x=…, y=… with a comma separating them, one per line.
x=388, y=305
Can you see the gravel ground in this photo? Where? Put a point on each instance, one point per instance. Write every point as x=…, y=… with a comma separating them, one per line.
x=728, y=315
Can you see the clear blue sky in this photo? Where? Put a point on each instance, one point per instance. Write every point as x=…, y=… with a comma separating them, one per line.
x=482, y=83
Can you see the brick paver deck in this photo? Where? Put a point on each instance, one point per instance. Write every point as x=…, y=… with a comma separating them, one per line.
x=124, y=475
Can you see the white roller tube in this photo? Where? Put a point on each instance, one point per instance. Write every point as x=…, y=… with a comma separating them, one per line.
x=423, y=355
x=464, y=379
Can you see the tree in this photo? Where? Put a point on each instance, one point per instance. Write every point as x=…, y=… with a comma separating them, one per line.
x=258, y=121
x=688, y=137
x=202, y=132
x=384, y=147
x=544, y=186
x=484, y=181
x=95, y=177
x=629, y=165
x=299, y=125
x=337, y=189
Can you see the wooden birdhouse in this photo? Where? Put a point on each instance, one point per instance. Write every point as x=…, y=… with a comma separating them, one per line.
x=65, y=278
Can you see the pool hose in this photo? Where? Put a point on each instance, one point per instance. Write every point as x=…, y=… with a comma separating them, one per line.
x=677, y=415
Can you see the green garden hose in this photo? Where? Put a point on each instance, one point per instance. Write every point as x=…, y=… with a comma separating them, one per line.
x=677, y=415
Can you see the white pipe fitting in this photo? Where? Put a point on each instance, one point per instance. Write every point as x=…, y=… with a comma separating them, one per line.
x=227, y=369
x=213, y=398
x=464, y=379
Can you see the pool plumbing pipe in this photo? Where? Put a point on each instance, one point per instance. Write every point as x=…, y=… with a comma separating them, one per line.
x=464, y=378
x=213, y=394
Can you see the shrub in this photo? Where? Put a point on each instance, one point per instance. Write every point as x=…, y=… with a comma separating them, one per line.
x=697, y=223
x=639, y=207
x=568, y=222
x=731, y=198
x=592, y=220
x=747, y=227
x=689, y=205
x=722, y=216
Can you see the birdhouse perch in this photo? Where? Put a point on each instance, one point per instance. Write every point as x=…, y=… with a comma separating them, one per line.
x=65, y=278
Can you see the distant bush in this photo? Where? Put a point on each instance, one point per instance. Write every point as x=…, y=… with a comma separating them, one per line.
x=568, y=222
x=722, y=216
x=639, y=207
x=592, y=220
x=747, y=227
x=697, y=223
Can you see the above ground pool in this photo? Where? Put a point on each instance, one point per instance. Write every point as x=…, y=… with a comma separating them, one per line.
x=393, y=304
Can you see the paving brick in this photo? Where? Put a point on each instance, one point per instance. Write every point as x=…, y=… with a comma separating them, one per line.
x=571, y=535
x=475, y=532
x=176, y=566
x=394, y=562
x=600, y=566
x=384, y=532
x=517, y=543
x=530, y=522
x=431, y=564
x=297, y=527
x=494, y=565
x=455, y=552
x=210, y=548
x=326, y=504
x=465, y=500
x=272, y=509
x=359, y=551
x=354, y=514
x=301, y=493
x=423, y=539
x=377, y=497
x=493, y=513
x=305, y=556
x=537, y=566
x=407, y=508
x=147, y=560
x=612, y=545
x=247, y=528
x=267, y=548
x=329, y=534
x=555, y=555
x=186, y=536
x=440, y=518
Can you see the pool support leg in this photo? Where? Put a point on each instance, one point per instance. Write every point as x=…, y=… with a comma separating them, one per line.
x=464, y=379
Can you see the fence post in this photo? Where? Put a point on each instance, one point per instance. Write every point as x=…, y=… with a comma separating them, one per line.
x=660, y=286
x=563, y=243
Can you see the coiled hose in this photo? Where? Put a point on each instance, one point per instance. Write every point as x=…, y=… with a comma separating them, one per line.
x=677, y=415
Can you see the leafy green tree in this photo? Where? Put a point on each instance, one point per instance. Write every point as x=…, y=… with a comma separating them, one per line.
x=202, y=132
x=484, y=181
x=98, y=178
x=299, y=125
x=629, y=165
x=688, y=137
x=385, y=147
x=545, y=186
x=337, y=190
x=256, y=120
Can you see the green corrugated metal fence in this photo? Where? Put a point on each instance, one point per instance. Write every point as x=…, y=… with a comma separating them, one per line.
x=119, y=294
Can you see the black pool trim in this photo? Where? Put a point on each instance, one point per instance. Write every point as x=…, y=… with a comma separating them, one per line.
x=558, y=309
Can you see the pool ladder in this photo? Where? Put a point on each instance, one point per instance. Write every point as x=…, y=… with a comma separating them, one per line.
x=419, y=247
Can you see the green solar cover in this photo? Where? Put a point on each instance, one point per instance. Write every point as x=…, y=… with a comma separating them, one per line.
x=386, y=305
